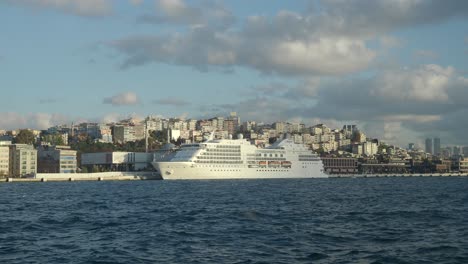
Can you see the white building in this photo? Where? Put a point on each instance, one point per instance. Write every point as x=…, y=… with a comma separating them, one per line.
x=205, y=126
x=370, y=148
x=280, y=127
x=104, y=133
x=23, y=160
x=116, y=161
x=366, y=148
x=154, y=124
x=128, y=133
x=191, y=124
x=4, y=158
x=174, y=134
x=308, y=139
x=344, y=143
x=296, y=128
x=248, y=126
x=298, y=139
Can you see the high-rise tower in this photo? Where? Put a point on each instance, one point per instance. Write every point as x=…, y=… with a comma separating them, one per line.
x=429, y=145
x=437, y=146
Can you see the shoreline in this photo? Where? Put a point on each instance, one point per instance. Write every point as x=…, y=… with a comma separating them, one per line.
x=99, y=176
x=398, y=175
x=132, y=176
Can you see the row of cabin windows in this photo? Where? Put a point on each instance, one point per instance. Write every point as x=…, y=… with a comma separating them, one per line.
x=228, y=147
x=271, y=155
x=220, y=154
x=273, y=170
x=220, y=158
x=220, y=161
x=224, y=150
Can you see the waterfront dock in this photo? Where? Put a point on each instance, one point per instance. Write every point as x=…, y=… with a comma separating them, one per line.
x=132, y=176
x=99, y=176
x=399, y=175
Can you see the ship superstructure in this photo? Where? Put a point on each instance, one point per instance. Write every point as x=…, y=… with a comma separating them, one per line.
x=238, y=159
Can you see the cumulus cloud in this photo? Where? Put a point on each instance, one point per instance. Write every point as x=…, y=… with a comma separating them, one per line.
x=127, y=98
x=427, y=84
x=115, y=117
x=396, y=105
x=333, y=40
x=370, y=17
x=41, y=121
x=179, y=12
x=13, y=120
x=172, y=101
x=424, y=90
x=76, y=7
x=203, y=48
x=415, y=99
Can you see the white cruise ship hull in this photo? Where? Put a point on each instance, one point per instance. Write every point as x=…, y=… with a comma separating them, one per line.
x=192, y=171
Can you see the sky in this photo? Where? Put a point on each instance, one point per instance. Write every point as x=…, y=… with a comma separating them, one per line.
x=396, y=68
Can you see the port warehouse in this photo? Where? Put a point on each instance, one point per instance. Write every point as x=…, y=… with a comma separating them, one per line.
x=334, y=165
x=26, y=161
x=117, y=161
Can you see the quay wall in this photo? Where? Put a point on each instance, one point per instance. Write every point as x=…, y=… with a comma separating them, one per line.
x=398, y=175
x=121, y=176
x=98, y=176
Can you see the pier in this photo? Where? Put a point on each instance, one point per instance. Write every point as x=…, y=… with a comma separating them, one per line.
x=99, y=176
x=398, y=175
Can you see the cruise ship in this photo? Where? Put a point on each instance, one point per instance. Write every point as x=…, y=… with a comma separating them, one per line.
x=238, y=159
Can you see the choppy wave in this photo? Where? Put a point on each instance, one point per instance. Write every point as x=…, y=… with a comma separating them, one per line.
x=389, y=220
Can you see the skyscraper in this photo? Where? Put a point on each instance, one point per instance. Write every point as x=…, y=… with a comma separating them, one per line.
x=429, y=145
x=437, y=146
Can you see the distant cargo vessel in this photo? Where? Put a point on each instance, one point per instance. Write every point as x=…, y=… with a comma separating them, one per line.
x=238, y=159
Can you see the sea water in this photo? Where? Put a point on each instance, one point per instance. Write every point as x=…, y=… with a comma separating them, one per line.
x=363, y=220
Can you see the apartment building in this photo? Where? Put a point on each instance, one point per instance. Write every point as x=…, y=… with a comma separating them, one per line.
x=23, y=160
x=4, y=158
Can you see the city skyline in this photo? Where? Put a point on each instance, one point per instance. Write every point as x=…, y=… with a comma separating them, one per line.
x=397, y=69
x=432, y=145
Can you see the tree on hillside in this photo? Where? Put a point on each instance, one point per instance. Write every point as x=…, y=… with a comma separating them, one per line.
x=54, y=139
x=382, y=147
x=92, y=147
x=25, y=136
